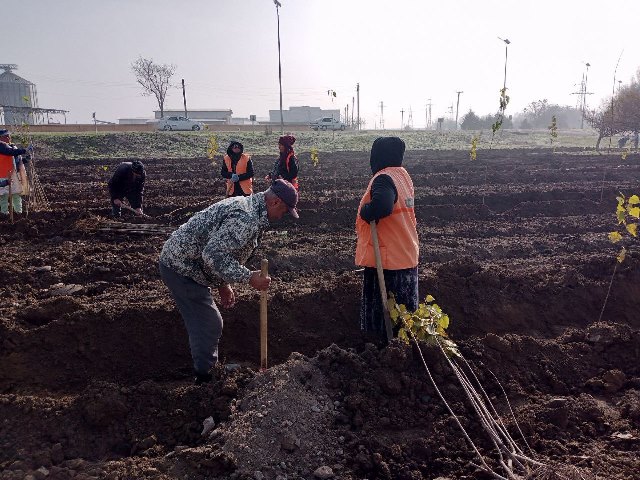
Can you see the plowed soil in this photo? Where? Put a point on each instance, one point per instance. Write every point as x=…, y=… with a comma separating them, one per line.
x=95, y=378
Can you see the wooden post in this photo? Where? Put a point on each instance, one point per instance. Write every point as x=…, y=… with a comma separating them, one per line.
x=383, y=287
x=263, y=317
x=10, y=196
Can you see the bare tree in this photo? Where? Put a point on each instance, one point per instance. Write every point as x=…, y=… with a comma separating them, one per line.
x=154, y=79
x=606, y=121
x=628, y=99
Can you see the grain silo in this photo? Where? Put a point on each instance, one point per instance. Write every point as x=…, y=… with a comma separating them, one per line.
x=19, y=93
x=19, y=100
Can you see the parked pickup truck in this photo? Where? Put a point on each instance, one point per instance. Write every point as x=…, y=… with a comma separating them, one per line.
x=327, y=123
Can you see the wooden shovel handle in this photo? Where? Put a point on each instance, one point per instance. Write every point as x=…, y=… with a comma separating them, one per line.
x=383, y=287
x=264, y=271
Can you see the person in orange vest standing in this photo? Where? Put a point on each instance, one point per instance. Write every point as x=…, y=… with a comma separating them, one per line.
x=389, y=200
x=286, y=166
x=237, y=170
x=13, y=175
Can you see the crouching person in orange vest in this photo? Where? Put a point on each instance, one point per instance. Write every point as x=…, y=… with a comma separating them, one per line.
x=237, y=170
x=389, y=200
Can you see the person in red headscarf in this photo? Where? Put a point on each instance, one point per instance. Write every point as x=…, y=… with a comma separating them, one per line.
x=286, y=166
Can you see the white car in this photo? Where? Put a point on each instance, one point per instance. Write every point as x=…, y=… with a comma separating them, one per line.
x=179, y=123
x=327, y=123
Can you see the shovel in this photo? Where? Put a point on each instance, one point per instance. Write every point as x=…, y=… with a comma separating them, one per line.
x=264, y=270
x=127, y=207
x=383, y=287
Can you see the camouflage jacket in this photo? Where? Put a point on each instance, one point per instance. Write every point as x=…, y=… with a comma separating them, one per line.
x=213, y=245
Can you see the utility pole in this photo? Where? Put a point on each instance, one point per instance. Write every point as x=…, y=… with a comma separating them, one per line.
x=382, y=115
x=401, y=118
x=582, y=99
x=184, y=98
x=358, y=94
x=353, y=107
x=346, y=117
x=410, y=120
x=428, y=114
x=457, y=107
x=278, y=5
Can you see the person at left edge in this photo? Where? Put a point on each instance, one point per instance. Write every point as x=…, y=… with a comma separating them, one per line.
x=12, y=174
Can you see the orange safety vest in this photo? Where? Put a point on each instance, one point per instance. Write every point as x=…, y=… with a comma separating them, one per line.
x=241, y=167
x=19, y=183
x=6, y=166
x=397, y=234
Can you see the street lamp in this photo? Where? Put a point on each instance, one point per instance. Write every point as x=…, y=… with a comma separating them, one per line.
x=278, y=5
x=457, y=108
x=506, y=54
x=584, y=93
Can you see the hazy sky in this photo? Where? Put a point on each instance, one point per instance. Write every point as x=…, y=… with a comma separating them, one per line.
x=402, y=52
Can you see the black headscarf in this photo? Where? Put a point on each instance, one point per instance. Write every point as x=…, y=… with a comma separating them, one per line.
x=386, y=152
x=232, y=155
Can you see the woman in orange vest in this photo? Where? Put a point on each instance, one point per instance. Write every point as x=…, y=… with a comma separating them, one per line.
x=389, y=200
x=237, y=169
x=286, y=166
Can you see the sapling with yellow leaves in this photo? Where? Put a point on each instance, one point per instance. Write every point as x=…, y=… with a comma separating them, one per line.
x=315, y=160
x=473, y=153
x=625, y=153
x=627, y=210
x=212, y=148
x=428, y=323
x=504, y=101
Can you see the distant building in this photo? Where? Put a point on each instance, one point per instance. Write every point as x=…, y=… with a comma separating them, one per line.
x=135, y=121
x=209, y=117
x=248, y=120
x=303, y=114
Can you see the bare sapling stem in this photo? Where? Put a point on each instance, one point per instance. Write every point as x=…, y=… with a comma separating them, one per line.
x=498, y=434
x=513, y=417
x=514, y=451
x=10, y=197
x=485, y=180
x=264, y=271
x=615, y=268
x=484, y=465
x=495, y=413
x=487, y=421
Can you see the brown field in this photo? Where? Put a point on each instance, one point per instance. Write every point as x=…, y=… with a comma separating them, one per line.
x=95, y=367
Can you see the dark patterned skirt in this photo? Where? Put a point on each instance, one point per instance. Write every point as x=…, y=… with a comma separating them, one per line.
x=402, y=283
